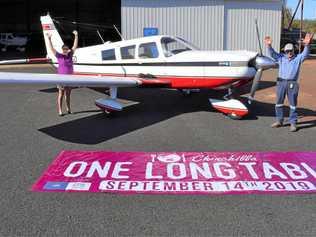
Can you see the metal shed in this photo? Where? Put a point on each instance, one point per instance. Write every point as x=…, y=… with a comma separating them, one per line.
x=209, y=24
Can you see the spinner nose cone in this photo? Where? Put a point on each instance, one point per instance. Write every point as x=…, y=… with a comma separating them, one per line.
x=263, y=62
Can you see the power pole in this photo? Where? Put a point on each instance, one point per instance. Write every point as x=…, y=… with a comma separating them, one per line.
x=301, y=26
x=294, y=14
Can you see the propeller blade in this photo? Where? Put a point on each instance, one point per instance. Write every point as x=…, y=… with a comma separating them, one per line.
x=255, y=85
x=258, y=37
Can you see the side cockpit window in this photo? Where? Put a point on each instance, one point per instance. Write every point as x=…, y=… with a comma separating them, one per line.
x=128, y=52
x=172, y=46
x=148, y=50
x=108, y=54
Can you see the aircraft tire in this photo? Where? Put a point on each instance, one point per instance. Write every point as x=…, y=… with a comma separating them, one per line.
x=110, y=113
x=234, y=116
x=185, y=93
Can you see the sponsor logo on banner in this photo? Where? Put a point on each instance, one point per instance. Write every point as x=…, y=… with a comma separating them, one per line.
x=181, y=172
x=55, y=186
x=79, y=186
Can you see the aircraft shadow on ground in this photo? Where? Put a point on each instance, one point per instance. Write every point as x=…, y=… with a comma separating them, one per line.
x=307, y=124
x=49, y=90
x=156, y=105
x=266, y=109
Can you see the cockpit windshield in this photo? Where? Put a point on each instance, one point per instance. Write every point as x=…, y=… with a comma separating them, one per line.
x=173, y=46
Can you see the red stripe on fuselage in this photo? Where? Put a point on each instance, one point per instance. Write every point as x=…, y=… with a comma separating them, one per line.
x=177, y=82
x=199, y=82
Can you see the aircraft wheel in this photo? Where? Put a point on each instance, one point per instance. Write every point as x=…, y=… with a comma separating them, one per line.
x=185, y=93
x=109, y=113
x=20, y=49
x=234, y=116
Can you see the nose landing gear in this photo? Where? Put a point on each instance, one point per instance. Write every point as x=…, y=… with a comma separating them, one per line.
x=234, y=109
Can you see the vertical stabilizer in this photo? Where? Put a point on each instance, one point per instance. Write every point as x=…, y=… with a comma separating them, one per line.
x=48, y=26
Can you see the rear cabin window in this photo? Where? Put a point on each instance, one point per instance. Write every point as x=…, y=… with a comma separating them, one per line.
x=108, y=54
x=128, y=52
x=148, y=50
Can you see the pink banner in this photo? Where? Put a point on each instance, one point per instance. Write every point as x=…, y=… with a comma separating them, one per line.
x=181, y=172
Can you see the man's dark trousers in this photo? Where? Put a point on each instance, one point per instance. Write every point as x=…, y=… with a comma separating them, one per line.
x=290, y=89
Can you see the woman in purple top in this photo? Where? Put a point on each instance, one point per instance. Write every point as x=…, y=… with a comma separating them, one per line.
x=65, y=66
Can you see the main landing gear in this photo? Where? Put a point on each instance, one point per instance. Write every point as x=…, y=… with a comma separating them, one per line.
x=188, y=92
x=110, y=105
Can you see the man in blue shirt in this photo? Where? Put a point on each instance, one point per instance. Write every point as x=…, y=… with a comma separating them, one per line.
x=287, y=82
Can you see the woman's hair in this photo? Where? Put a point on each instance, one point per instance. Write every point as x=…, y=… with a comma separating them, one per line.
x=65, y=46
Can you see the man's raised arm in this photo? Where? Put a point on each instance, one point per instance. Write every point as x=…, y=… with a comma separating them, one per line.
x=272, y=53
x=307, y=41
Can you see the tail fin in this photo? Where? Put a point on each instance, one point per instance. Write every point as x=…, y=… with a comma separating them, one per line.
x=49, y=27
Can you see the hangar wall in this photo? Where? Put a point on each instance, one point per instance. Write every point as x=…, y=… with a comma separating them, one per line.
x=192, y=20
x=209, y=24
x=239, y=29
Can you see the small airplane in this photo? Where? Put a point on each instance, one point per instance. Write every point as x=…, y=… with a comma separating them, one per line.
x=9, y=39
x=160, y=61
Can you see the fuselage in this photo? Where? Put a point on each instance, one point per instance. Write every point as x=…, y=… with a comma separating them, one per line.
x=166, y=61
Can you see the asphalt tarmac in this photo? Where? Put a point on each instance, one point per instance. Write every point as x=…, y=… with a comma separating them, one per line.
x=164, y=120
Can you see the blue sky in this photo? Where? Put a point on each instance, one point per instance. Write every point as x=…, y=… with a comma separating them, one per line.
x=309, y=8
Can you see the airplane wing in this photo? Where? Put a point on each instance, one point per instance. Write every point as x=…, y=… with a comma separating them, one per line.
x=67, y=80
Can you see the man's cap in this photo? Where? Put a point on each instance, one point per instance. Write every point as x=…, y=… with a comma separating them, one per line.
x=289, y=47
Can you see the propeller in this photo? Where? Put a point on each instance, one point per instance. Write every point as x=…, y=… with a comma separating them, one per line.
x=261, y=63
x=255, y=85
x=258, y=37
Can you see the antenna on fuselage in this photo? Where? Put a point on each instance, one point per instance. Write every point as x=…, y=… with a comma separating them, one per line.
x=118, y=32
x=100, y=36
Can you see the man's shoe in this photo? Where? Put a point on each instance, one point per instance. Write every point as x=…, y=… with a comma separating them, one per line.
x=276, y=125
x=293, y=128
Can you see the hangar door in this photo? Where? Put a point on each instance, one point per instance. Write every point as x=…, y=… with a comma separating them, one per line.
x=23, y=18
x=239, y=24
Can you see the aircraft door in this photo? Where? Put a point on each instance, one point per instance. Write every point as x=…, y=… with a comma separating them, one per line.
x=150, y=60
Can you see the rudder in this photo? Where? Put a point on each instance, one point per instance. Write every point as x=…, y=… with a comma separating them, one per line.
x=48, y=26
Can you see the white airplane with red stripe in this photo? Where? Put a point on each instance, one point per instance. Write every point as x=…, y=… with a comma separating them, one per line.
x=156, y=61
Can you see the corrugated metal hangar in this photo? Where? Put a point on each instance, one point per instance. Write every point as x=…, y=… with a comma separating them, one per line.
x=214, y=25
x=209, y=24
